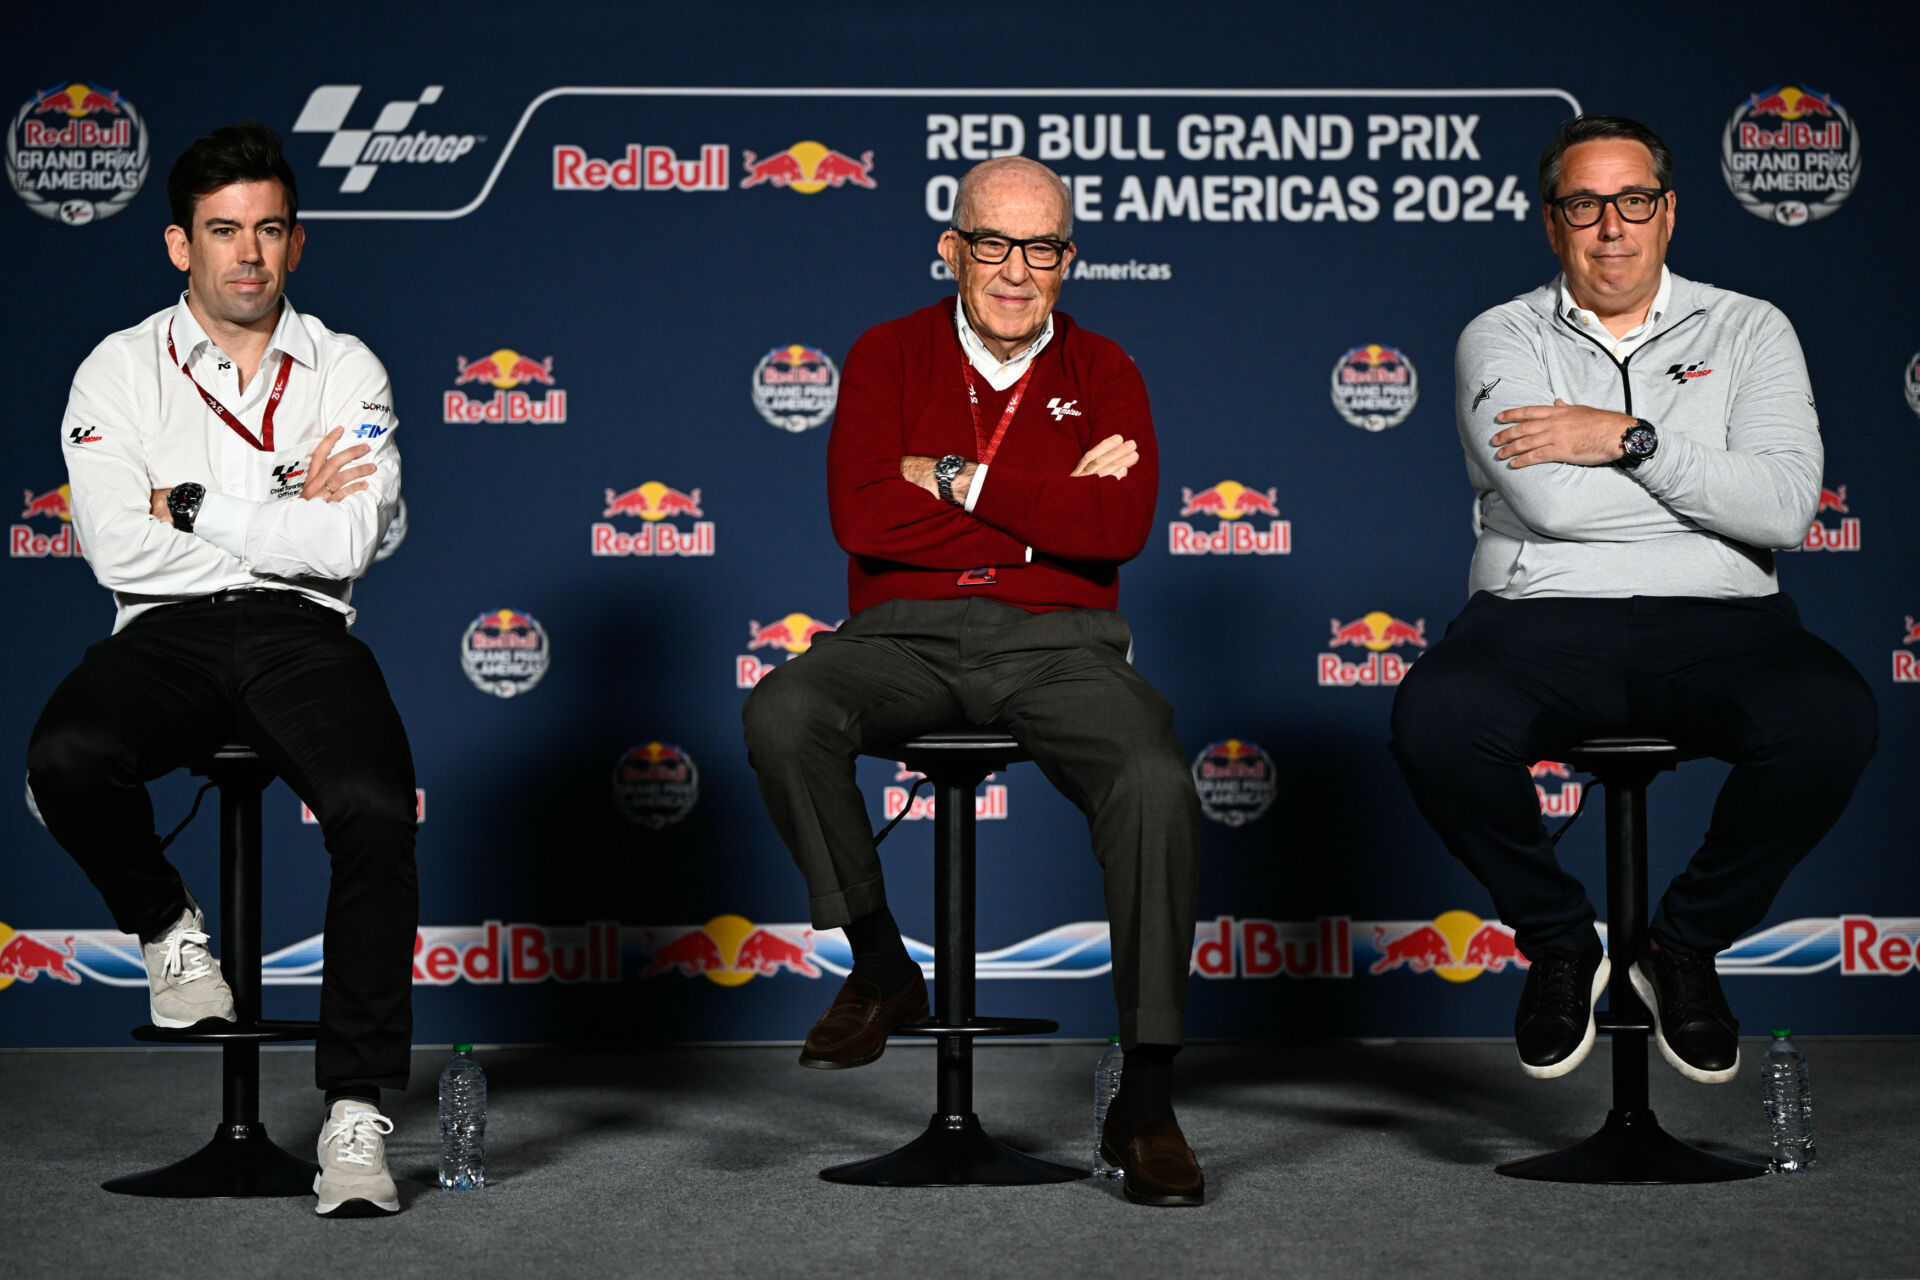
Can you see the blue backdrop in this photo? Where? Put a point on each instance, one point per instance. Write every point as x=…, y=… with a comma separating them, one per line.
x=612, y=257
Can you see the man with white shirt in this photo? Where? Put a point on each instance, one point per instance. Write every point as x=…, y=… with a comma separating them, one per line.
x=1640, y=445
x=992, y=465
x=233, y=470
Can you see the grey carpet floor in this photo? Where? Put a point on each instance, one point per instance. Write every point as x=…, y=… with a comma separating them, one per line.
x=1321, y=1160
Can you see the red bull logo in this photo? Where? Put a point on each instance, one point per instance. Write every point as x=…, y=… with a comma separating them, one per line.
x=24, y=542
x=1844, y=536
x=793, y=633
x=59, y=117
x=1906, y=663
x=1878, y=947
x=1456, y=946
x=25, y=958
x=505, y=370
x=643, y=168
x=1229, y=501
x=1230, y=947
x=653, y=502
x=989, y=803
x=1791, y=105
x=730, y=950
x=516, y=953
x=807, y=167
x=1563, y=801
x=1379, y=633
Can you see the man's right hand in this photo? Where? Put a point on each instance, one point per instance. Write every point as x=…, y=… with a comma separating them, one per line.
x=1111, y=457
x=328, y=475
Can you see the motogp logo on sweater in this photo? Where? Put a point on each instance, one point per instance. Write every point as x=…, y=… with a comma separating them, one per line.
x=1685, y=373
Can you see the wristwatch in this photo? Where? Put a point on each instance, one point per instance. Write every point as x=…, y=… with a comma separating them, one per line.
x=944, y=471
x=183, y=503
x=1640, y=442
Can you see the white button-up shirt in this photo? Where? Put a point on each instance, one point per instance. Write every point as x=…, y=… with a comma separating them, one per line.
x=1629, y=342
x=135, y=423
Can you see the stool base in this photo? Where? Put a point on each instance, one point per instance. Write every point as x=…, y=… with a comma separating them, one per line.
x=1631, y=1149
x=954, y=1152
x=240, y=1161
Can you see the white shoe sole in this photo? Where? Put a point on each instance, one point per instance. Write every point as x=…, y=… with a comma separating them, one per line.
x=353, y=1206
x=175, y=1024
x=1644, y=986
x=1579, y=1055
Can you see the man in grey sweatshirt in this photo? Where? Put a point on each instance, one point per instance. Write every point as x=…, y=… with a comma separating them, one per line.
x=1640, y=444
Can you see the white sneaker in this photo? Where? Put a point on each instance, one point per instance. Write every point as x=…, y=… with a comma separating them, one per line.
x=353, y=1181
x=183, y=977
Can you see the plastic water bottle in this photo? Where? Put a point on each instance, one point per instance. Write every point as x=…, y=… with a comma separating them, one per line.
x=1106, y=1083
x=463, y=1122
x=1788, y=1094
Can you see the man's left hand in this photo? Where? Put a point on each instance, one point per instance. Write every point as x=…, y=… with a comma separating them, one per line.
x=157, y=506
x=1561, y=432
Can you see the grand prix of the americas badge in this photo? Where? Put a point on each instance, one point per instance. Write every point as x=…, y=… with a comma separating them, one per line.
x=1235, y=780
x=77, y=152
x=656, y=785
x=1790, y=155
x=1375, y=387
x=505, y=652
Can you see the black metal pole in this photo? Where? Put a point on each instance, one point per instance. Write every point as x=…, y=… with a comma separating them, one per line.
x=1627, y=930
x=240, y=946
x=953, y=948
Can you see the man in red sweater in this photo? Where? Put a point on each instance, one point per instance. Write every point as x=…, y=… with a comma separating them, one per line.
x=992, y=465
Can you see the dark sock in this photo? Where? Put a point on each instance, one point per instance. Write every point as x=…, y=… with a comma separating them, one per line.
x=356, y=1093
x=1146, y=1085
x=879, y=955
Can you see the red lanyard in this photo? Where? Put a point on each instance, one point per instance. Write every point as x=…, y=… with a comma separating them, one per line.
x=987, y=448
x=265, y=441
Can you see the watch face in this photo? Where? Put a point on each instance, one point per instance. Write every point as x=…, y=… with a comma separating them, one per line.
x=1640, y=442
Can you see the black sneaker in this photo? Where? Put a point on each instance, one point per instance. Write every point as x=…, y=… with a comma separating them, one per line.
x=1553, y=1028
x=1697, y=1034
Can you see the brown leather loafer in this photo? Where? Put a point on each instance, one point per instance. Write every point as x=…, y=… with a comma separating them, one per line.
x=853, y=1031
x=1160, y=1166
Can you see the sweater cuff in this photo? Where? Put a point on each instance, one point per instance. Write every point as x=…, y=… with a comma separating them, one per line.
x=223, y=521
x=1657, y=474
x=973, y=490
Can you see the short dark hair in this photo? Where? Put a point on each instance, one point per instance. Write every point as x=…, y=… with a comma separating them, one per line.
x=1593, y=129
x=246, y=152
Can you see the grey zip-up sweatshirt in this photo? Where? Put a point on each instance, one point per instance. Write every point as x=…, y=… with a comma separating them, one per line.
x=1737, y=471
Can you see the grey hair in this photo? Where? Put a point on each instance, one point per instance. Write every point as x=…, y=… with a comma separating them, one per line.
x=977, y=176
x=1594, y=129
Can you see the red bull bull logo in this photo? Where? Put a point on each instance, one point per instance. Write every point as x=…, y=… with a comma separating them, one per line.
x=25, y=958
x=1790, y=154
x=730, y=950
x=1456, y=946
x=77, y=153
x=655, y=503
x=24, y=542
x=505, y=370
x=1229, y=501
x=642, y=168
x=1380, y=634
x=807, y=167
x=1230, y=947
x=1906, y=663
x=1375, y=386
x=517, y=953
x=793, y=633
x=1844, y=536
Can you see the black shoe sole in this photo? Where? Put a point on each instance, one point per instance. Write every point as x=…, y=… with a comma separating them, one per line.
x=1172, y=1201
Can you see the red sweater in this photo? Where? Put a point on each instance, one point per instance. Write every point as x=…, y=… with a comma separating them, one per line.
x=903, y=393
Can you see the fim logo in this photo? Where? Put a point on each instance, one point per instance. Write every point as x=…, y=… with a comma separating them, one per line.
x=730, y=950
x=1230, y=501
x=519, y=953
x=794, y=633
x=24, y=958
x=1844, y=536
x=1563, y=803
x=1233, y=948
x=505, y=370
x=361, y=152
x=808, y=167
x=988, y=804
x=653, y=502
x=26, y=543
x=1377, y=632
x=1455, y=945
x=795, y=387
x=1906, y=663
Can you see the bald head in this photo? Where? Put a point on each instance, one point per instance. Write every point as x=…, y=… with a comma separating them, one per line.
x=1011, y=173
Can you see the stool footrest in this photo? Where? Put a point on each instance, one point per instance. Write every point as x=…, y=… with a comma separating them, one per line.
x=1605, y=1020
x=981, y=1027
x=214, y=1031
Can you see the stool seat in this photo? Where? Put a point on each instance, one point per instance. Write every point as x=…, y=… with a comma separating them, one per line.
x=1615, y=746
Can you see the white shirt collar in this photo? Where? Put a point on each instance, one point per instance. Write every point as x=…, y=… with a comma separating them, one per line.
x=290, y=337
x=999, y=375
x=1580, y=315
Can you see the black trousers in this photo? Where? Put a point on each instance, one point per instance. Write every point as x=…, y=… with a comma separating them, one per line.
x=286, y=678
x=1060, y=684
x=1517, y=681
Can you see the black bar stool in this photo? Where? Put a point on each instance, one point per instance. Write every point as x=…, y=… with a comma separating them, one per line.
x=955, y=1151
x=1631, y=1147
x=241, y=1160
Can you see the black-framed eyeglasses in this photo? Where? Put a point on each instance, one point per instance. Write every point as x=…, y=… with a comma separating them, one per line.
x=1042, y=253
x=1635, y=204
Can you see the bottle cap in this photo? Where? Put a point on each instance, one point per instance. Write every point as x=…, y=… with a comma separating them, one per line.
x=1781, y=1033
x=1113, y=1039
x=463, y=1048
